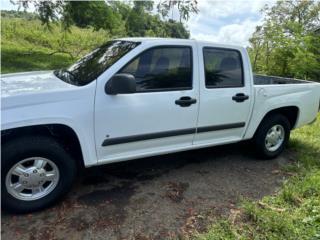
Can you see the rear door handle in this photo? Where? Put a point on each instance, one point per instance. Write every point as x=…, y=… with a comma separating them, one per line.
x=185, y=101
x=240, y=97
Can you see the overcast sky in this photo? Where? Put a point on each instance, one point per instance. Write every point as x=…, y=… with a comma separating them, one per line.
x=228, y=21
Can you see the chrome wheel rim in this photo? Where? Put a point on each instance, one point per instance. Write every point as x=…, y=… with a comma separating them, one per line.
x=275, y=138
x=32, y=178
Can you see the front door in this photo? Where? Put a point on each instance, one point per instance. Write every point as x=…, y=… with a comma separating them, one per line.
x=160, y=117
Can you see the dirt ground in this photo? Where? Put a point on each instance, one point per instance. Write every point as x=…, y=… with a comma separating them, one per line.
x=165, y=197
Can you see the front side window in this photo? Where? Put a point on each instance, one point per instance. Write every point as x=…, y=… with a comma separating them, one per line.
x=162, y=69
x=223, y=68
x=95, y=63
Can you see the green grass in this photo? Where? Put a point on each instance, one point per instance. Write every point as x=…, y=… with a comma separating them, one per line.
x=27, y=45
x=17, y=60
x=293, y=212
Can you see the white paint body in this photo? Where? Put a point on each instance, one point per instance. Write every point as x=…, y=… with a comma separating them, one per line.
x=38, y=98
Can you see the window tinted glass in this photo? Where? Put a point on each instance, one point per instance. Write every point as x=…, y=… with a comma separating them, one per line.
x=223, y=68
x=95, y=63
x=162, y=68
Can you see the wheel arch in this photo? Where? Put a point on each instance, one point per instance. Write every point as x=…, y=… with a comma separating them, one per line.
x=290, y=112
x=63, y=134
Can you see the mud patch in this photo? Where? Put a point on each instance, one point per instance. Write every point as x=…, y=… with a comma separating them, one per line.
x=110, y=203
x=79, y=223
x=119, y=195
x=147, y=177
x=203, y=172
x=175, y=191
x=127, y=175
x=94, y=180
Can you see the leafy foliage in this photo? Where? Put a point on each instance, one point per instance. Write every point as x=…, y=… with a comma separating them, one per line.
x=185, y=8
x=92, y=13
x=287, y=43
x=119, y=18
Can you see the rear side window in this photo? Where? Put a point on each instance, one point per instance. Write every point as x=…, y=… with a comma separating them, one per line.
x=223, y=68
x=162, y=69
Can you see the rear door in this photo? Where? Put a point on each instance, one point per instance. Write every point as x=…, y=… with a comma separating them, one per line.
x=225, y=95
x=161, y=116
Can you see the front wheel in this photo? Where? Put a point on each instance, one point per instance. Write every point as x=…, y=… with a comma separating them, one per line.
x=35, y=172
x=272, y=136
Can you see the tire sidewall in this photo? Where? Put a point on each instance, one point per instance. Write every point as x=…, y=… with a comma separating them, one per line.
x=265, y=126
x=39, y=146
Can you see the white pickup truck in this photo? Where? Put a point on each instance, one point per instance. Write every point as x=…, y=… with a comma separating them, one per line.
x=138, y=97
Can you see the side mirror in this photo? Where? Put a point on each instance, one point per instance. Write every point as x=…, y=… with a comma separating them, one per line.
x=121, y=83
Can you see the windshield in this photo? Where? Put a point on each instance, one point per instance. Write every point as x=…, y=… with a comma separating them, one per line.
x=95, y=63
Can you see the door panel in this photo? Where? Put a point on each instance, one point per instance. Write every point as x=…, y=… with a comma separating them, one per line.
x=225, y=96
x=148, y=121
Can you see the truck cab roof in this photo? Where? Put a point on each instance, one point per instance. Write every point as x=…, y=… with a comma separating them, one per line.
x=179, y=40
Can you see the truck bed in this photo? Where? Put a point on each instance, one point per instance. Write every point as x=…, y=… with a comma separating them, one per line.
x=267, y=80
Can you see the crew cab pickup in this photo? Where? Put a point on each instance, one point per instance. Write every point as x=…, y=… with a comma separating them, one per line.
x=139, y=97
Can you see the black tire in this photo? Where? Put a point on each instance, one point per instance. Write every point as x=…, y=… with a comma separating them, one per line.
x=35, y=146
x=260, y=135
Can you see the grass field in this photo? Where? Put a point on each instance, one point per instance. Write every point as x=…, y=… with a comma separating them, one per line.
x=293, y=212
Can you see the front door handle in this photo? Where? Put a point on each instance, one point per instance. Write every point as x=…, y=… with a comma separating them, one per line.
x=240, y=97
x=185, y=101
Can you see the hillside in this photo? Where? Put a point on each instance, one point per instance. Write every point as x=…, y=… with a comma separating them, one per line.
x=27, y=45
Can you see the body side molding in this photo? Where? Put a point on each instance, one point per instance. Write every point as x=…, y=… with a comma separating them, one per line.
x=149, y=136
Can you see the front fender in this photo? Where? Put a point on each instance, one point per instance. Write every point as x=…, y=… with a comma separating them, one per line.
x=72, y=108
x=86, y=142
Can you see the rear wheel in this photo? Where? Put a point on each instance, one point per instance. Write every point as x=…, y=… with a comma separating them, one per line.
x=272, y=136
x=35, y=172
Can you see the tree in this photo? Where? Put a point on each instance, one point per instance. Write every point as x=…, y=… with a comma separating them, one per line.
x=286, y=44
x=184, y=7
x=92, y=13
x=176, y=29
x=119, y=18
